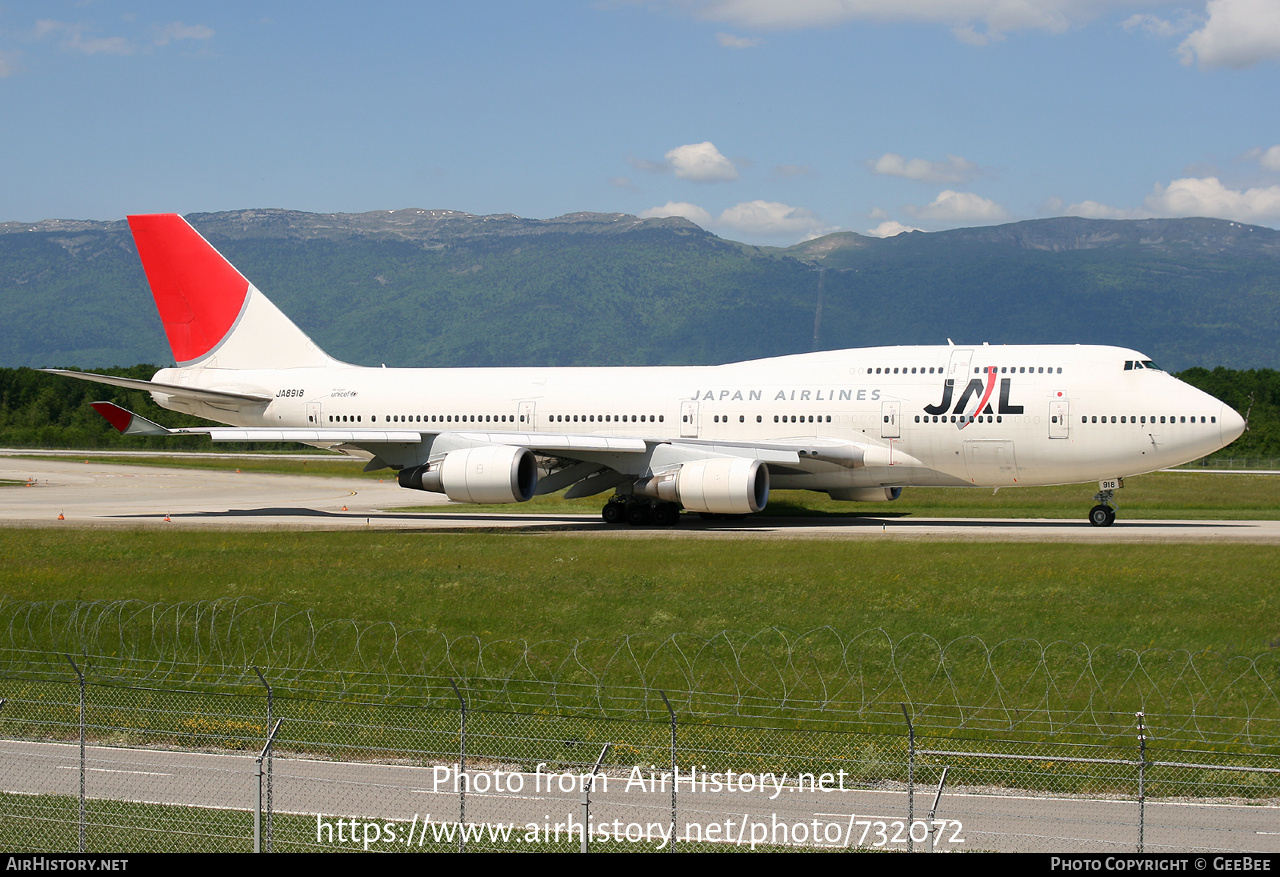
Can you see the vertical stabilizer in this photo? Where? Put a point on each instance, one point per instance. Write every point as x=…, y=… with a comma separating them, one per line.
x=212, y=315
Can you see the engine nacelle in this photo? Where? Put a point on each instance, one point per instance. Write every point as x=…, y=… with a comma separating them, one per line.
x=865, y=494
x=484, y=474
x=723, y=485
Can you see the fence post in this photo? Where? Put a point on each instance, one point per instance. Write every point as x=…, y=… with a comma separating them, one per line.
x=1142, y=780
x=674, y=774
x=586, y=796
x=933, y=811
x=462, y=772
x=257, y=802
x=270, y=751
x=80, y=676
x=911, y=777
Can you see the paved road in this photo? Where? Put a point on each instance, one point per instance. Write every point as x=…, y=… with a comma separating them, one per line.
x=98, y=494
x=783, y=813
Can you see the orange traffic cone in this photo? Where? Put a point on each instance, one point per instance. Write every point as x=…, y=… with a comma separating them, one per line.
x=61, y=516
x=167, y=519
x=344, y=508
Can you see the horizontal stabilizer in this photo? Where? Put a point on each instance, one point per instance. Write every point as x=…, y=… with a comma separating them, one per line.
x=180, y=390
x=126, y=422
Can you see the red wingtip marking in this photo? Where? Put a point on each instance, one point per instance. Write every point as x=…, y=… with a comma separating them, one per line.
x=114, y=414
x=199, y=293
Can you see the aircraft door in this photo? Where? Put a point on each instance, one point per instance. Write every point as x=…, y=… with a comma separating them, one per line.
x=526, y=415
x=991, y=463
x=688, y=419
x=891, y=420
x=958, y=369
x=313, y=414
x=1059, y=419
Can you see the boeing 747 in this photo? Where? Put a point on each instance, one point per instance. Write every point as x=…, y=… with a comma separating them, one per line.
x=859, y=425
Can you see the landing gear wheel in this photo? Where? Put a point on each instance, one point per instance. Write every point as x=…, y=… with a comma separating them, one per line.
x=666, y=514
x=638, y=515
x=1102, y=516
x=614, y=513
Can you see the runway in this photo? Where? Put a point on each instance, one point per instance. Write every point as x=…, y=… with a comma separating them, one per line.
x=96, y=494
x=856, y=815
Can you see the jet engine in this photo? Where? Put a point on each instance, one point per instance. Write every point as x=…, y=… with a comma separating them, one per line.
x=723, y=485
x=484, y=474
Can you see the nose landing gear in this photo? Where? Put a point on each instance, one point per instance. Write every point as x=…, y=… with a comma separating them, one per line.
x=1104, y=513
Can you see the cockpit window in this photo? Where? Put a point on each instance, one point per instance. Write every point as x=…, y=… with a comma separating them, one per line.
x=1131, y=364
x=1146, y=363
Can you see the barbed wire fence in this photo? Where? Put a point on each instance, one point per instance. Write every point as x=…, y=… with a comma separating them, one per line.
x=168, y=767
x=823, y=675
x=145, y=732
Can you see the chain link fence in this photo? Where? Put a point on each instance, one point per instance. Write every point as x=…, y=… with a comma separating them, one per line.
x=98, y=756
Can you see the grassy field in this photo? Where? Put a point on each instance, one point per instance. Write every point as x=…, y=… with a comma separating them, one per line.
x=491, y=588
x=505, y=586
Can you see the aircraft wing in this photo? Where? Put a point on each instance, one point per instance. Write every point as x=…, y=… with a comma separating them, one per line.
x=201, y=394
x=569, y=446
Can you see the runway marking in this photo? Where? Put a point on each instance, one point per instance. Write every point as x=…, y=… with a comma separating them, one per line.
x=145, y=773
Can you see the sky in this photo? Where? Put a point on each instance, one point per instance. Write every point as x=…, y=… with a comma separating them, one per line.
x=764, y=122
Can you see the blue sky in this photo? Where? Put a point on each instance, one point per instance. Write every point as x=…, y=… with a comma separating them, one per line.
x=767, y=122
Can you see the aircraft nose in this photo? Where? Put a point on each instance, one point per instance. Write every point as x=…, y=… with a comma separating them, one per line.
x=1231, y=423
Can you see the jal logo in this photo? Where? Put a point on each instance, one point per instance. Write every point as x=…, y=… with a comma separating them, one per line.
x=980, y=389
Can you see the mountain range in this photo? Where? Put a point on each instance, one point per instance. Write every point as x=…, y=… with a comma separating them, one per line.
x=444, y=288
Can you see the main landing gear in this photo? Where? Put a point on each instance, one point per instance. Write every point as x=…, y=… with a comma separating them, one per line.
x=1104, y=513
x=639, y=512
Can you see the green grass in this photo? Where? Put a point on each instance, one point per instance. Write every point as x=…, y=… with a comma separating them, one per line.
x=507, y=586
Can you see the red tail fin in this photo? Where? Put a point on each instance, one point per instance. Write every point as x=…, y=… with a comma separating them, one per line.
x=199, y=293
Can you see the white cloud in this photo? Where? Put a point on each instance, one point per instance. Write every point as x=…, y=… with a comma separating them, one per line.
x=1208, y=197
x=701, y=162
x=179, y=31
x=889, y=228
x=954, y=170
x=730, y=41
x=755, y=219
x=973, y=21
x=73, y=38
x=952, y=206
x=1193, y=196
x=971, y=35
x=771, y=219
x=8, y=63
x=1098, y=210
x=793, y=170
x=691, y=212
x=1237, y=33
x=1270, y=159
x=1160, y=27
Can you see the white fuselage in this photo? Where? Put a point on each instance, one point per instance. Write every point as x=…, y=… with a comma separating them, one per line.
x=1048, y=414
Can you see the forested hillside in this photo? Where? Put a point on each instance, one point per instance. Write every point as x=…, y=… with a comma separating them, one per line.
x=442, y=288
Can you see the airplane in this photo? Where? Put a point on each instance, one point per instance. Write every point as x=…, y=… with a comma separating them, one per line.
x=859, y=425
